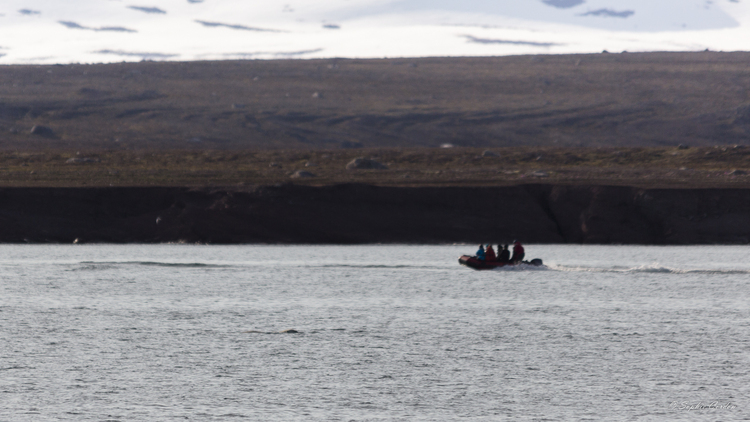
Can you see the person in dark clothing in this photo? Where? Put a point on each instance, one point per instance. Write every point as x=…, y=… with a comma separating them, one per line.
x=504, y=255
x=518, y=252
x=490, y=254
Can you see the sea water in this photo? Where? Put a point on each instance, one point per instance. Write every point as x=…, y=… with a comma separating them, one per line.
x=185, y=332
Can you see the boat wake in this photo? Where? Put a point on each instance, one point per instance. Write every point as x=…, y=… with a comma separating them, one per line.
x=109, y=264
x=523, y=267
x=395, y=266
x=652, y=269
x=100, y=265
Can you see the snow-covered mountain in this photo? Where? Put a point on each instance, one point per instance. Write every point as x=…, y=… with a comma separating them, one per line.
x=54, y=31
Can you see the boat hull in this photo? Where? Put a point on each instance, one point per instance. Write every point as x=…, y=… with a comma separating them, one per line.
x=473, y=262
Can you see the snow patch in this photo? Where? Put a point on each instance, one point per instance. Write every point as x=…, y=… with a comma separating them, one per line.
x=363, y=28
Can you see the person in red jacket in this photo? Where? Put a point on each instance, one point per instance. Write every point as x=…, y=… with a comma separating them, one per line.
x=518, y=252
x=490, y=254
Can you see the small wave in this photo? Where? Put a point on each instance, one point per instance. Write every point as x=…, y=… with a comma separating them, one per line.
x=666, y=270
x=10, y=368
x=653, y=269
x=289, y=331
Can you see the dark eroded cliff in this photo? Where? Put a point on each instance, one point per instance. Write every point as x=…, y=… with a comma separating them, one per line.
x=369, y=214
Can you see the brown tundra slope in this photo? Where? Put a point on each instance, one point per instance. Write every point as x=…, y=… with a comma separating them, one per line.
x=648, y=99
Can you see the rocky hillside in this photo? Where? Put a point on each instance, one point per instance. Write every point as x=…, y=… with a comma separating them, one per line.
x=649, y=99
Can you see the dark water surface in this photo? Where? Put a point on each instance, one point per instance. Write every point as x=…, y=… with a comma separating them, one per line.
x=178, y=332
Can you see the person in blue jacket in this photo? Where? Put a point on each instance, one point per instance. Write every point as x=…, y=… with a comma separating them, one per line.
x=480, y=253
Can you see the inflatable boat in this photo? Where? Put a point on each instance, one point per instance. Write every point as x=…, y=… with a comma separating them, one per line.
x=473, y=262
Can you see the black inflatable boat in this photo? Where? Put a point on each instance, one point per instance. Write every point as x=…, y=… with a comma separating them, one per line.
x=473, y=262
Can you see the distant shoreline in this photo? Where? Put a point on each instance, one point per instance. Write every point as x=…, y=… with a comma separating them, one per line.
x=362, y=214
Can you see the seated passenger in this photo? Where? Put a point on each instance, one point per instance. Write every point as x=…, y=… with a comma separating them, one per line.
x=480, y=253
x=518, y=252
x=490, y=254
x=504, y=255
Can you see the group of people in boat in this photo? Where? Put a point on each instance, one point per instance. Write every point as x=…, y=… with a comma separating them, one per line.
x=503, y=254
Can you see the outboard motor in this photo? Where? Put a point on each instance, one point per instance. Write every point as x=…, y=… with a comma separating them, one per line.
x=536, y=261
